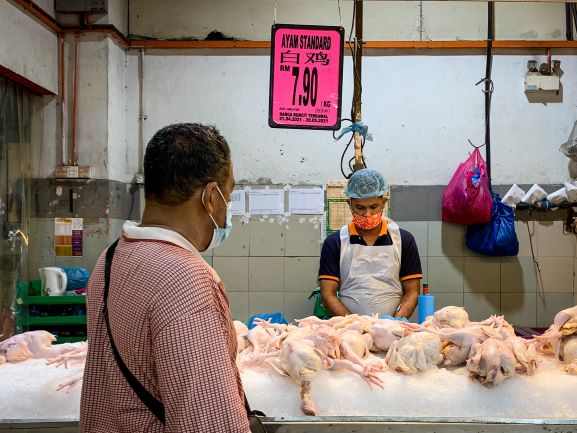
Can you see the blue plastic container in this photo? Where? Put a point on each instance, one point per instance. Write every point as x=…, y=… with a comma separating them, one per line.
x=426, y=304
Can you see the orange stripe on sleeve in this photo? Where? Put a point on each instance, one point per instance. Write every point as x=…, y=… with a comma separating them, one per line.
x=328, y=277
x=412, y=277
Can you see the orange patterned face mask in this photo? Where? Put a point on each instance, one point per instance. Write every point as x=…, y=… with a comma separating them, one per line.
x=367, y=222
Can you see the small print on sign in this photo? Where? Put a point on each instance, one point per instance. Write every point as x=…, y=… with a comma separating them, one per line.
x=306, y=75
x=68, y=236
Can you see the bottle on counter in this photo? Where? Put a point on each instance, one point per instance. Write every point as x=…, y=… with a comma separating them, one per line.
x=426, y=304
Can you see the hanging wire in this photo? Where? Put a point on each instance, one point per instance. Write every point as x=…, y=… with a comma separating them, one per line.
x=275, y=6
x=535, y=260
x=353, y=48
x=489, y=88
x=340, y=16
x=356, y=75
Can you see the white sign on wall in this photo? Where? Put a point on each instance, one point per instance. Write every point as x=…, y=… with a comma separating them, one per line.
x=238, y=198
x=266, y=201
x=307, y=201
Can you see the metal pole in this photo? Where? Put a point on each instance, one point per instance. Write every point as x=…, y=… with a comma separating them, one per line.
x=357, y=90
x=568, y=22
x=489, y=86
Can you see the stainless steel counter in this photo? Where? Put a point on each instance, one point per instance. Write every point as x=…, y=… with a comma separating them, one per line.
x=350, y=425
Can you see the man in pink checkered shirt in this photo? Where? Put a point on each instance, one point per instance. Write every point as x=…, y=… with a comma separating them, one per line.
x=168, y=309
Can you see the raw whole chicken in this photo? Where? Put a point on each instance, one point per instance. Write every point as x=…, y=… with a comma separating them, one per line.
x=353, y=342
x=353, y=322
x=32, y=344
x=241, y=331
x=302, y=362
x=415, y=353
x=456, y=343
x=77, y=356
x=525, y=354
x=240, y=328
x=69, y=383
x=448, y=317
x=491, y=362
x=305, y=350
x=385, y=332
x=498, y=323
x=570, y=354
x=301, y=359
x=260, y=338
x=564, y=324
x=461, y=342
x=566, y=321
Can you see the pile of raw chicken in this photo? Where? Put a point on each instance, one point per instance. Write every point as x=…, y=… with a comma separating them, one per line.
x=364, y=345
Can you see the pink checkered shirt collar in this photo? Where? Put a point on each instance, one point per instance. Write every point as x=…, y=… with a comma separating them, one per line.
x=131, y=230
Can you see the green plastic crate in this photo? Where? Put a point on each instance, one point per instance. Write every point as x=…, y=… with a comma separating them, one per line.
x=29, y=294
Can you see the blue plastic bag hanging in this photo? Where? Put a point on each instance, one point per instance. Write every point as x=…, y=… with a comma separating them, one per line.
x=497, y=237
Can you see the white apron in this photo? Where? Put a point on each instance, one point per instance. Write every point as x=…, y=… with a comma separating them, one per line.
x=370, y=274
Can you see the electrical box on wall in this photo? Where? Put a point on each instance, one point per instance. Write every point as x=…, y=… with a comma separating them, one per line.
x=73, y=172
x=544, y=79
x=77, y=6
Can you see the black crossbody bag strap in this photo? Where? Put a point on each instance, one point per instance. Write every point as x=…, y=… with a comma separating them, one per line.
x=254, y=416
x=151, y=402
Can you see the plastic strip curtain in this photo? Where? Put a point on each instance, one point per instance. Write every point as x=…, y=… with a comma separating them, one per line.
x=16, y=113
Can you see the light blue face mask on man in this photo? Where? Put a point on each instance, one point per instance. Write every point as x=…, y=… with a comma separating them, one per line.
x=220, y=234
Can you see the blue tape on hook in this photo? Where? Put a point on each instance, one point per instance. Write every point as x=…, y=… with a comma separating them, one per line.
x=359, y=127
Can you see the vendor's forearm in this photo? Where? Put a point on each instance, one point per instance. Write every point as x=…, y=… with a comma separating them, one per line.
x=335, y=306
x=329, y=290
x=407, y=305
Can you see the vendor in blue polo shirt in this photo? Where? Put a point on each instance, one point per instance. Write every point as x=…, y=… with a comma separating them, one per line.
x=372, y=264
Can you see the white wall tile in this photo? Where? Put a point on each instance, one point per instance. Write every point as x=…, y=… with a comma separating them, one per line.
x=446, y=274
x=445, y=239
x=446, y=299
x=482, y=274
x=297, y=305
x=238, y=305
x=233, y=272
x=527, y=234
x=557, y=274
x=266, y=274
x=237, y=244
x=553, y=241
x=549, y=304
x=420, y=231
x=520, y=309
x=482, y=305
x=265, y=302
x=266, y=239
x=301, y=274
x=302, y=237
x=518, y=274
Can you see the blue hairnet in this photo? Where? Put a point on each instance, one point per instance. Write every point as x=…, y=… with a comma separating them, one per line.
x=366, y=183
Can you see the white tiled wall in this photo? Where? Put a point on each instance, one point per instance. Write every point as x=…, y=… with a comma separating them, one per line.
x=508, y=285
x=270, y=267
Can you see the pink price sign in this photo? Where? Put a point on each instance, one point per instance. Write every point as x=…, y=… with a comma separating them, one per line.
x=306, y=76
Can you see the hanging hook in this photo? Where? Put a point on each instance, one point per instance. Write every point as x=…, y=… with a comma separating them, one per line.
x=486, y=80
x=476, y=147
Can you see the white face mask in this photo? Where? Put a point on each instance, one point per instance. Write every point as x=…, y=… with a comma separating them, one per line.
x=220, y=234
